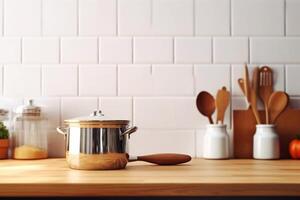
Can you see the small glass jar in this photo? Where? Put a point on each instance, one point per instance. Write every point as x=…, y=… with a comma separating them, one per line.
x=4, y=134
x=30, y=133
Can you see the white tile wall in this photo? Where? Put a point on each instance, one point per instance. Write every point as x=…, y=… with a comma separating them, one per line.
x=22, y=17
x=192, y=50
x=40, y=50
x=60, y=17
x=212, y=17
x=153, y=50
x=97, y=80
x=292, y=17
x=97, y=17
x=142, y=60
x=10, y=50
x=230, y=50
x=79, y=50
x=258, y=17
x=116, y=50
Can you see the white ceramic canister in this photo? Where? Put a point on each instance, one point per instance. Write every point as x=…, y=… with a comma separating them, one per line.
x=266, y=142
x=216, y=142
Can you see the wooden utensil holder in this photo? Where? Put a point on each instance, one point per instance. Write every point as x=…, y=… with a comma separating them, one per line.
x=287, y=126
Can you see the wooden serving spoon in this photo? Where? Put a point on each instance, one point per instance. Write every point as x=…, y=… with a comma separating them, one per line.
x=163, y=158
x=206, y=105
x=222, y=102
x=277, y=104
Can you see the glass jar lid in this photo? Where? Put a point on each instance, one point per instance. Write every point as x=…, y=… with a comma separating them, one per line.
x=96, y=118
x=29, y=109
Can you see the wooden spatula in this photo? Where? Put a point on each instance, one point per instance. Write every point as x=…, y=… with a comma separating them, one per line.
x=277, y=104
x=222, y=102
x=265, y=88
x=241, y=83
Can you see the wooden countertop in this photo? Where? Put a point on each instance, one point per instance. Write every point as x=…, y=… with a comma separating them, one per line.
x=52, y=177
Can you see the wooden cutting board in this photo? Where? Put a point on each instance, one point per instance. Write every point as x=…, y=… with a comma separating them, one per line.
x=288, y=125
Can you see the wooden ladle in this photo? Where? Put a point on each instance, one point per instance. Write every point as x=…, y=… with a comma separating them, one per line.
x=206, y=105
x=277, y=104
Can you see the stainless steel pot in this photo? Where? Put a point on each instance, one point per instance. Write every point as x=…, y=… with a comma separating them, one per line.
x=95, y=142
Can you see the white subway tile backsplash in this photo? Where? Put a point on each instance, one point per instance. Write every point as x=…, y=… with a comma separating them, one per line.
x=10, y=50
x=212, y=17
x=172, y=17
x=22, y=80
x=97, y=80
x=40, y=50
x=155, y=17
x=292, y=79
x=59, y=17
x=169, y=141
x=115, y=50
x=79, y=50
x=292, y=17
x=192, y=50
x=97, y=17
x=116, y=107
x=238, y=70
x=84, y=107
x=153, y=50
x=135, y=80
x=230, y=50
x=258, y=17
x=59, y=80
x=134, y=17
x=275, y=50
x=167, y=113
x=211, y=78
x=173, y=80
x=22, y=17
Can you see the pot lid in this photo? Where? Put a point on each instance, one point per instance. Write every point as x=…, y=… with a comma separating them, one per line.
x=97, y=117
x=30, y=108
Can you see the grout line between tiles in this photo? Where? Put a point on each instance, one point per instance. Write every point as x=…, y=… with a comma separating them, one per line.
x=132, y=49
x=3, y=15
x=98, y=49
x=117, y=17
x=21, y=50
x=77, y=16
x=2, y=87
x=41, y=22
x=284, y=18
x=230, y=18
x=249, y=50
x=212, y=49
x=59, y=50
x=194, y=17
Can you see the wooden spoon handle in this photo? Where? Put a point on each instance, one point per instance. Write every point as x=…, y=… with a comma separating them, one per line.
x=165, y=159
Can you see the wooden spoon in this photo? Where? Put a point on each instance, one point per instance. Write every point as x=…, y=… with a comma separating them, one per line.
x=277, y=104
x=163, y=159
x=206, y=105
x=222, y=102
x=265, y=88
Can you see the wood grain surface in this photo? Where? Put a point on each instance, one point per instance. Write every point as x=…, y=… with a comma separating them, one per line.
x=52, y=177
x=287, y=126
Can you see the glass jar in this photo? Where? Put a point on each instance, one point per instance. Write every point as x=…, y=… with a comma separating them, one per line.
x=30, y=133
x=4, y=134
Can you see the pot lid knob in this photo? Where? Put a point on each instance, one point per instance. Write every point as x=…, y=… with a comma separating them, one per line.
x=97, y=113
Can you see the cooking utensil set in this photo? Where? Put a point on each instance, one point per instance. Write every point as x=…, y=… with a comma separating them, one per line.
x=207, y=104
x=262, y=85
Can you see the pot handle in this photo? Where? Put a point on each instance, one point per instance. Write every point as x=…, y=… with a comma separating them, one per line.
x=62, y=130
x=130, y=131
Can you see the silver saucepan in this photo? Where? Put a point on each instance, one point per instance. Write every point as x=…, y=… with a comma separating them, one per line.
x=95, y=142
